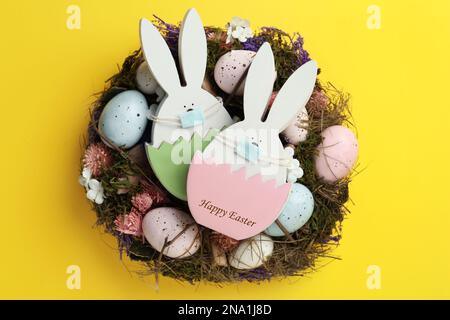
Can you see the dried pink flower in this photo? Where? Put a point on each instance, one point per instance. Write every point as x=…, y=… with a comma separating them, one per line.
x=317, y=103
x=211, y=35
x=142, y=202
x=97, y=158
x=155, y=193
x=224, y=242
x=130, y=223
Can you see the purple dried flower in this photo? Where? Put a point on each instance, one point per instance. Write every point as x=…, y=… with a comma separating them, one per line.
x=297, y=45
x=253, y=44
x=335, y=238
x=256, y=274
x=125, y=241
x=170, y=32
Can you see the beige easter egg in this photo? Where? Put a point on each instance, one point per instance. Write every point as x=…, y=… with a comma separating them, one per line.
x=230, y=68
x=168, y=223
x=145, y=80
x=297, y=131
x=252, y=253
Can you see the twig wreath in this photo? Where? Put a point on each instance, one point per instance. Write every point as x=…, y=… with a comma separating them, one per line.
x=209, y=220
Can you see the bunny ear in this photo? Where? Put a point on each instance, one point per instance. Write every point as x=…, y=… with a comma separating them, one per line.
x=192, y=49
x=159, y=57
x=259, y=84
x=293, y=96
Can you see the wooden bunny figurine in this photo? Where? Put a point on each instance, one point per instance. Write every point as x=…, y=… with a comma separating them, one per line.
x=185, y=109
x=247, y=161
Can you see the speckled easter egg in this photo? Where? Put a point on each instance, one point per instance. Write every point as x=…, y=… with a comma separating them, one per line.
x=167, y=223
x=123, y=120
x=296, y=212
x=337, y=153
x=145, y=80
x=297, y=131
x=229, y=69
x=251, y=253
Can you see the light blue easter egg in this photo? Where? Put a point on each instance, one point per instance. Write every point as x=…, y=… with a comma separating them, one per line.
x=124, y=119
x=296, y=212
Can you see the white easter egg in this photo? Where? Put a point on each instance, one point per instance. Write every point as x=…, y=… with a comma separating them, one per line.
x=297, y=131
x=229, y=69
x=168, y=223
x=251, y=253
x=124, y=118
x=145, y=80
x=336, y=154
x=296, y=212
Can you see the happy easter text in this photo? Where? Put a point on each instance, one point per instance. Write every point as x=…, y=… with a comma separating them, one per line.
x=221, y=213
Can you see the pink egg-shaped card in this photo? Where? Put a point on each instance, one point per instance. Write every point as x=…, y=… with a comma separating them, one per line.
x=230, y=203
x=240, y=183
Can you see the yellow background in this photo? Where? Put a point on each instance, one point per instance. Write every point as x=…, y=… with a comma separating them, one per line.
x=398, y=77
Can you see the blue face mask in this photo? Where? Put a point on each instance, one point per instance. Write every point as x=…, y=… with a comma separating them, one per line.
x=248, y=150
x=192, y=118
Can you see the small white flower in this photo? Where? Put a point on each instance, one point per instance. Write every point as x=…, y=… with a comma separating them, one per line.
x=294, y=171
x=85, y=177
x=95, y=192
x=238, y=28
x=289, y=152
x=94, y=188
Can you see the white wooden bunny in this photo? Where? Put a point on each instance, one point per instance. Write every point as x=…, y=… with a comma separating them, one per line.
x=254, y=142
x=240, y=183
x=185, y=109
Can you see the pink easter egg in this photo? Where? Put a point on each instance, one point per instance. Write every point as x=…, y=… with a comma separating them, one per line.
x=229, y=69
x=337, y=153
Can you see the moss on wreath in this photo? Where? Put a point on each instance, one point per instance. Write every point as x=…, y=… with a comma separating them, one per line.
x=290, y=258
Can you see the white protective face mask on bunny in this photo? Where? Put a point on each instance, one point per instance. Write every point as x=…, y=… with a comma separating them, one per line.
x=193, y=117
x=252, y=189
x=246, y=151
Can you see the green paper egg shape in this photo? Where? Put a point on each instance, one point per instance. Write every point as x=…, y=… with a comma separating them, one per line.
x=170, y=162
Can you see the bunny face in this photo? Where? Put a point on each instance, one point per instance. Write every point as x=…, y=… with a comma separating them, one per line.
x=179, y=100
x=198, y=112
x=186, y=100
x=262, y=146
x=259, y=149
x=262, y=137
